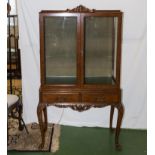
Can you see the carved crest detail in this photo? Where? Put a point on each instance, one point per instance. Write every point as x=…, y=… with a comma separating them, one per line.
x=80, y=8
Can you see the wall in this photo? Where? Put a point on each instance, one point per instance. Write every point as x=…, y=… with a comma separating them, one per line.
x=133, y=62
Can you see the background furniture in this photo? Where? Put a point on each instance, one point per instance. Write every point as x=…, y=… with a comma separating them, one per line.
x=80, y=57
x=13, y=51
x=15, y=110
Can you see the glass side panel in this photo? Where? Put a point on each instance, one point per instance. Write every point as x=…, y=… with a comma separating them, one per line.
x=100, y=50
x=60, y=50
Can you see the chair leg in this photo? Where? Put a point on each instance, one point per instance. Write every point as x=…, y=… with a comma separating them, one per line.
x=21, y=127
x=20, y=119
x=24, y=125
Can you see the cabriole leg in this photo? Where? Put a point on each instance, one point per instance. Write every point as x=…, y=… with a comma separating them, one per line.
x=40, y=110
x=111, y=116
x=120, y=109
x=45, y=118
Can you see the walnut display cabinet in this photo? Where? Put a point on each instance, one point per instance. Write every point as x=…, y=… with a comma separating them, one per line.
x=80, y=58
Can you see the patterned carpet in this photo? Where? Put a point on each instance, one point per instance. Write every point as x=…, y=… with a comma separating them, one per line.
x=21, y=141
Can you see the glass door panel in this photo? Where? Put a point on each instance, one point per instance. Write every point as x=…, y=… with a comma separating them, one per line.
x=100, y=49
x=60, y=50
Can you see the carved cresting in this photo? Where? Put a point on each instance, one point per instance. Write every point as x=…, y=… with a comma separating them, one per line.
x=80, y=8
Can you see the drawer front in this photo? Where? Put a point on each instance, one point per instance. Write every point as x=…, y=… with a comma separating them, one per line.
x=100, y=98
x=60, y=98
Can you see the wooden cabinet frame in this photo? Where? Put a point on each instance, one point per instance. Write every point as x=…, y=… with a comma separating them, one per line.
x=80, y=96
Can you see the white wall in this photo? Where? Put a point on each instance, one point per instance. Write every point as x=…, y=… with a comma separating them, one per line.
x=133, y=62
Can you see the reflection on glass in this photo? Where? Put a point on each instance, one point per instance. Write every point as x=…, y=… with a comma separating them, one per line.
x=60, y=49
x=100, y=50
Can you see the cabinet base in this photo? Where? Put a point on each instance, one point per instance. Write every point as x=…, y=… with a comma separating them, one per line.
x=42, y=117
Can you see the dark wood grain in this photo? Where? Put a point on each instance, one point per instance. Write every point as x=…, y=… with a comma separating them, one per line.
x=80, y=96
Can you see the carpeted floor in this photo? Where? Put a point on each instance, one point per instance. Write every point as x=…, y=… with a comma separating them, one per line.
x=23, y=141
x=20, y=140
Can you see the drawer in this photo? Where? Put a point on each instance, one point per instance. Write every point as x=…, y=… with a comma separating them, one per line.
x=100, y=98
x=60, y=98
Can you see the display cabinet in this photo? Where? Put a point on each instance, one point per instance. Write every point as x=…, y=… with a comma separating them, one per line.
x=80, y=58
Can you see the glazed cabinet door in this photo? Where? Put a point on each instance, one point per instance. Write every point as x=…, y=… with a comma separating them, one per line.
x=60, y=48
x=100, y=46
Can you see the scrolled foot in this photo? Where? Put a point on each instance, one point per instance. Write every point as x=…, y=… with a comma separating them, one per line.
x=118, y=147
